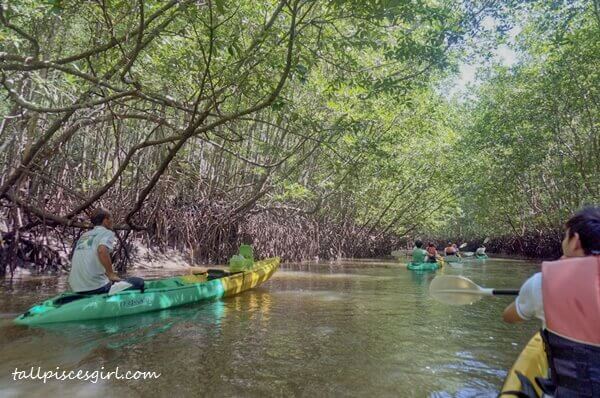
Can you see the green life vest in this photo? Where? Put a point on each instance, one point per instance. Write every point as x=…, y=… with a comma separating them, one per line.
x=418, y=255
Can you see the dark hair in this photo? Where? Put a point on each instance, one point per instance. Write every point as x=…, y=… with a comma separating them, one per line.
x=430, y=244
x=586, y=223
x=418, y=243
x=99, y=215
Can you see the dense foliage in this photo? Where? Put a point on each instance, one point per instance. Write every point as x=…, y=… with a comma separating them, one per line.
x=531, y=140
x=307, y=128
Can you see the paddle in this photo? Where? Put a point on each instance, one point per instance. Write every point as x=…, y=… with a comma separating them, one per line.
x=461, y=247
x=458, y=290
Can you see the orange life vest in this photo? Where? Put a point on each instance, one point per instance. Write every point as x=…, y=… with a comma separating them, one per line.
x=571, y=292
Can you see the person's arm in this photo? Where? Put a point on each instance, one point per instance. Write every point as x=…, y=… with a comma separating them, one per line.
x=527, y=304
x=104, y=257
x=510, y=314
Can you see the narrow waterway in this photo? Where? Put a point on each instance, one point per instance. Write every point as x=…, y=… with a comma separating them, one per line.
x=350, y=328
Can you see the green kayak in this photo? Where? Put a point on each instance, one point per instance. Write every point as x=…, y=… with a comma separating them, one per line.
x=157, y=295
x=481, y=256
x=423, y=266
x=453, y=259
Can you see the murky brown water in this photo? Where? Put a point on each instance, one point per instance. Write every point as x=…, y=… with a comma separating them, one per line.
x=353, y=328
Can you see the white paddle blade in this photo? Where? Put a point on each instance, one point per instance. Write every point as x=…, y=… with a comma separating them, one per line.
x=456, y=290
x=463, y=245
x=486, y=240
x=119, y=287
x=468, y=254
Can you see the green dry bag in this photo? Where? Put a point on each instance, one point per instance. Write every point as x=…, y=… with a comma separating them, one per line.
x=244, y=261
x=237, y=263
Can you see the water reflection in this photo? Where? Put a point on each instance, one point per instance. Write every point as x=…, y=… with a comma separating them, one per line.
x=423, y=278
x=71, y=343
x=123, y=331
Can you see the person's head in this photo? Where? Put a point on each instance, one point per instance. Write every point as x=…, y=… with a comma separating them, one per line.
x=430, y=244
x=449, y=244
x=102, y=217
x=582, y=233
x=418, y=243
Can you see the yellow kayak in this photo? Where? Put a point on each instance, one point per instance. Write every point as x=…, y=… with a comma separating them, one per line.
x=532, y=362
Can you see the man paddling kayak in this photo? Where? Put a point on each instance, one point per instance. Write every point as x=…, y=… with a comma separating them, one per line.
x=418, y=254
x=565, y=296
x=450, y=250
x=91, y=269
x=480, y=251
x=432, y=254
x=456, y=250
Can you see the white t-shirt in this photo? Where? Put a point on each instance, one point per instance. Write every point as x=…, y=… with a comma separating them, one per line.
x=87, y=273
x=530, y=302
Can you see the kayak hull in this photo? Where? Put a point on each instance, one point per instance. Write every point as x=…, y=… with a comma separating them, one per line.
x=423, y=266
x=453, y=259
x=158, y=295
x=532, y=362
x=481, y=257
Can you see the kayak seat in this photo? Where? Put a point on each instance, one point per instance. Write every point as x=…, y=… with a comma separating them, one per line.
x=216, y=274
x=67, y=299
x=219, y=273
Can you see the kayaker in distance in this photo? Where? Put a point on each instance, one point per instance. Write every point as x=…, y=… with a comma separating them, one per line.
x=480, y=251
x=91, y=269
x=456, y=250
x=418, y=254
x=432, y=254
x=565, y=296
x=450, y=250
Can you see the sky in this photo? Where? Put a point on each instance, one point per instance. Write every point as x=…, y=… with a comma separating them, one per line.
x=504, y=55
x=467, y=72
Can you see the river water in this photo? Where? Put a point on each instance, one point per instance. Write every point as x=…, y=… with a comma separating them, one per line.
x=341, y=329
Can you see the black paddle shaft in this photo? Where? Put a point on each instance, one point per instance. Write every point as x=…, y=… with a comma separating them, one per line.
x=505, y=292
